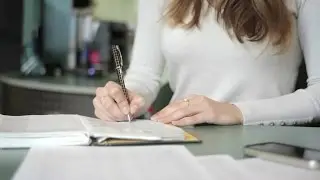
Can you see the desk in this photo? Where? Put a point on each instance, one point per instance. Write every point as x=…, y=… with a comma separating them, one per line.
x=216, y=140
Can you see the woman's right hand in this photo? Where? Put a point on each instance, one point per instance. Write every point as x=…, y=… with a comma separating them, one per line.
x=111, y=104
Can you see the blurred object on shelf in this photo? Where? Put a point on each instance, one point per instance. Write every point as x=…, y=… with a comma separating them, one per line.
x=54, y=69
x=79, y=4
x=80, y=41
x=31, y=64
x=80, y=36
x=57, y=24
x=95, y=67
x=124, y=11
x=94, y=47
x=110, y=33
x=31, y=58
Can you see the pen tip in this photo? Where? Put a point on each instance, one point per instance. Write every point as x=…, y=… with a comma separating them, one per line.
x=129, y=118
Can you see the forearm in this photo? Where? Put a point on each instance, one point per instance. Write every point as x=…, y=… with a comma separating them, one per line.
x=300, y=107
x=147, y=63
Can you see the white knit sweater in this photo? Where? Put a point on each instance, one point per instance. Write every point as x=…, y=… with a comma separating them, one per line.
x=208, y=62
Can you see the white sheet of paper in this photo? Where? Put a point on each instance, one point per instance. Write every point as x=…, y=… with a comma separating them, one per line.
x=80, y=139
x=42, y=130
x=273, y=170
x=225, y=167
x=40, y=125
x=111, y=163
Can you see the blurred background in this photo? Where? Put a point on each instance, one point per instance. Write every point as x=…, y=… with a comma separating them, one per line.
x=54, y=53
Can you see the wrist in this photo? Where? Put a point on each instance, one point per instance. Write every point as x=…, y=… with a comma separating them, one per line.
x=237, y=114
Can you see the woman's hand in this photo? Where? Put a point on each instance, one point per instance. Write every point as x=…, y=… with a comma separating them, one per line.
x=199, y=109
x=111, y=105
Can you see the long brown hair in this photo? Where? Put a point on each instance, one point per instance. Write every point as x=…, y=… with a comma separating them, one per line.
x=252, y=20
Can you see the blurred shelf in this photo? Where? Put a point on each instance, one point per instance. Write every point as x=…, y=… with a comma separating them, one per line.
x=68, y=94
x=69, y=83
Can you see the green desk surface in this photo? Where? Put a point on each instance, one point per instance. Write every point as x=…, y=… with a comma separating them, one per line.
x=216, y=140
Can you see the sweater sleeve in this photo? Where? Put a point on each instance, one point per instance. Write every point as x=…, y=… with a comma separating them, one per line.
x=302, y=106
x=147, y=64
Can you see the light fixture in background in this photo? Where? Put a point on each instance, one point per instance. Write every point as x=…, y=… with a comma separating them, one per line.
x=124, y=11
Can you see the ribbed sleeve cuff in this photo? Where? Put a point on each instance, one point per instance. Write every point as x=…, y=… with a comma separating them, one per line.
x=268, y=112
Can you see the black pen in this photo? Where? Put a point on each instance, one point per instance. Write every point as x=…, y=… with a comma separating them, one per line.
x=119, y=64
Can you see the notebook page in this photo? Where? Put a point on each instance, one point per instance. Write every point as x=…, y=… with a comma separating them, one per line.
x=137, y=129
x=114, y=163
x=40, y=125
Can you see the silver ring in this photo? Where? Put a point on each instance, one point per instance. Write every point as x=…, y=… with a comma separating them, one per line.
x=187, y=101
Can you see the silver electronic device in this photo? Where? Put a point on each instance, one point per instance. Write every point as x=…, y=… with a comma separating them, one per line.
x=297, y=156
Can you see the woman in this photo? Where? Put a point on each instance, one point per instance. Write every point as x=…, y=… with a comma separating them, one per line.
x=229, y=62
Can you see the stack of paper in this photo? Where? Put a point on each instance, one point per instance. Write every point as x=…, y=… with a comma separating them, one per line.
x=111, y=163
x=45, y=130
x=28, y=131
x=273, y=170
x=225, y=167
x=148, y=163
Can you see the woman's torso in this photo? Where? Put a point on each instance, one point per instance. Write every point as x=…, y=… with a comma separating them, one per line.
x=208, y=62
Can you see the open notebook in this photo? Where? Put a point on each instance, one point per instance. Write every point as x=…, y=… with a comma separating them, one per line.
x=46, y=130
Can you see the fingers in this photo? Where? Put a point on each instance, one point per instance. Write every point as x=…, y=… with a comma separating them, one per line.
x=178, y=115
x=176, y=110
x=106, y=109
x=187, y=121
x=169, y=109
x=101, y=92
x=112, y=108
x=115, y=92
x=105, y=106
x=111, y=103
x=136, y=103
x=100, y=112
x=101, y=115
x=182, y=112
